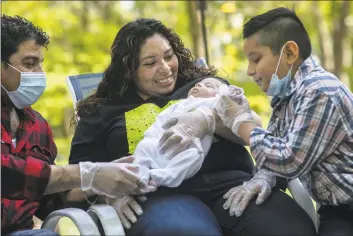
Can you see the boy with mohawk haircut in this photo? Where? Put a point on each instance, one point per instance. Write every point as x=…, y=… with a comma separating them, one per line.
x=310, y=133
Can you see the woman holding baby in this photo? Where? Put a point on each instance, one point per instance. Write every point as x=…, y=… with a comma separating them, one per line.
x=150, y=69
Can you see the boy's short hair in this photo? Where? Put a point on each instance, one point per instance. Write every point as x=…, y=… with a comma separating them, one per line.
x=278, y=26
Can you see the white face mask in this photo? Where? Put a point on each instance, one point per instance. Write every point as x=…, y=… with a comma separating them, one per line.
x=32, y=85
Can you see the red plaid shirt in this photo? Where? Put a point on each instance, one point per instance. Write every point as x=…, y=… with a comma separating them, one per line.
x=25, y=171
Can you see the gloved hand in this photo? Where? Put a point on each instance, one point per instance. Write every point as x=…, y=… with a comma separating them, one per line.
x=239, y=197
x=127, y=209
x=232, y=113
x=234, y=92
x=114, y=179
x=183, y=129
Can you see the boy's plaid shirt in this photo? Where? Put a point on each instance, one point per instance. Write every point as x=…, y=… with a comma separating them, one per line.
x=310, y=135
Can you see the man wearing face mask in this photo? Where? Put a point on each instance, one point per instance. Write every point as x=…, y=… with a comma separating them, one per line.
x=31, y=183
x=310, y=134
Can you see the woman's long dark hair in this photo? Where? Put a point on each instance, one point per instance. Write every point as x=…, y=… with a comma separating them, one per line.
x=120, y=74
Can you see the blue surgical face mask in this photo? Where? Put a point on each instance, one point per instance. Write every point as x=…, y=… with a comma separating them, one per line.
x=32, y=85
x=278, y=87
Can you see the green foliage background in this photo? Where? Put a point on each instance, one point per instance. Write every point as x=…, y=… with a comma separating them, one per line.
x=82, y=32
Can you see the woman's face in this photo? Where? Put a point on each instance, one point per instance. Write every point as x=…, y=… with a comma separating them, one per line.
x=158, y=69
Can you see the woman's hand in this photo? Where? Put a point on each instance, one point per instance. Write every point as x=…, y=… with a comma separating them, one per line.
x=239, y=197
x=182, y=130
x=127, y=208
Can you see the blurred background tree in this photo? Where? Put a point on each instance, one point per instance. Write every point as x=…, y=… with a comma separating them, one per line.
x=82, y=32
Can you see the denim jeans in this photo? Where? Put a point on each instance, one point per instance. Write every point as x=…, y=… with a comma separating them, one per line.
x=33, y=232
x=175, y=214
x=167, y=213
x=196, y=206
x=227, y=165
x=336, y=220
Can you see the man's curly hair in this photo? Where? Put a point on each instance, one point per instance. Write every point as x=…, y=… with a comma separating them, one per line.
x=15, y=30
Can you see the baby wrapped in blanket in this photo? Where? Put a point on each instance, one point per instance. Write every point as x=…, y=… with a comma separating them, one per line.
x=171, y=172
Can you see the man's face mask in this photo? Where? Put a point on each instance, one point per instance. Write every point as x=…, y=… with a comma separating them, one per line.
x=32, y=85
x=277, y=87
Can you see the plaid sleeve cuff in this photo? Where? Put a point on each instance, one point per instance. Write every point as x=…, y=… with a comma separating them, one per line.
x=257, y=136
x=37, y=174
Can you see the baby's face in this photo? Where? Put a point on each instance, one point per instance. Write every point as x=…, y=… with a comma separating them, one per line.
x=205, y=88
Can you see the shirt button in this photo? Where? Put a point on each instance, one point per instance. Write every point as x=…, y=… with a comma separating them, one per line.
x=277, y=113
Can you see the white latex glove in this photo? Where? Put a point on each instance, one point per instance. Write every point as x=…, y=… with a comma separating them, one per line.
x=127, y=208
x=239, y=197
x=234, y=92
x=232, y=113
x=113, y=179
x=183, y=129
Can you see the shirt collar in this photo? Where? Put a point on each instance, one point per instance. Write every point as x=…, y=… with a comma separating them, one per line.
x=307, y=66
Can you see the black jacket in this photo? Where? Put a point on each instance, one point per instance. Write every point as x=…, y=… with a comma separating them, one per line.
x=115, y=129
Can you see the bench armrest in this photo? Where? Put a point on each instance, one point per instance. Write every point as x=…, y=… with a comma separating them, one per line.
x=108, y=217
x=302, y=197
x=81, y=219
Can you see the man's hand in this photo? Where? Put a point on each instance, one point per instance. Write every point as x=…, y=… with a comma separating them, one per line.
x=239, y=197
x=127, y=209
x=114, y=179
x=182, y=130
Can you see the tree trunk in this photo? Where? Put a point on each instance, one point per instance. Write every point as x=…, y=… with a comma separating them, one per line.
x=105, y=9
x=84, y=15
x=338, y=33
x=195, y=28
x=324, y=38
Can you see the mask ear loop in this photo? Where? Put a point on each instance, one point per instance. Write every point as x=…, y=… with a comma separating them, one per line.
x=40, y=66
x=280, y=56
x=4, y=89
x=13, y=67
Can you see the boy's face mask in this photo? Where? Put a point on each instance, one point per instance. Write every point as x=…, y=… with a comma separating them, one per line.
x=278, y=87
x=32, y=85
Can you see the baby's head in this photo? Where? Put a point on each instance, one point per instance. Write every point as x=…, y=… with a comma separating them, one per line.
x=206, y=88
